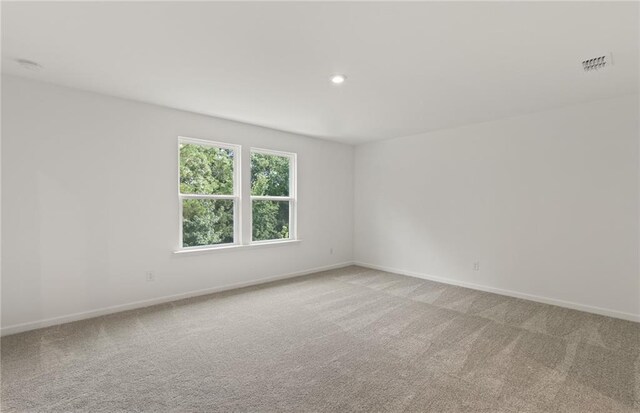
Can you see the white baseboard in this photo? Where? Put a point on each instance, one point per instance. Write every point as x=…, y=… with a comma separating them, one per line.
x=516, y=294
x=18, y=328
x=32, y=325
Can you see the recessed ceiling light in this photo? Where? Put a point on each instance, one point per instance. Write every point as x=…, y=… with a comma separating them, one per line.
x=337, y=79
x=29, y=64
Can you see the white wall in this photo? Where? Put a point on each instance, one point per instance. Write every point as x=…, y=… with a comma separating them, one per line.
x=548, y=203
x=89, y=204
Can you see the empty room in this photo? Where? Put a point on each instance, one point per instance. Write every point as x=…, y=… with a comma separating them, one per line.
x=320, y=207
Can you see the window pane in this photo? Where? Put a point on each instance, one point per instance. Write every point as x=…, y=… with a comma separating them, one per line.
x=270, y=220
x=207, y=222
x=269, y=175
x=206, y=170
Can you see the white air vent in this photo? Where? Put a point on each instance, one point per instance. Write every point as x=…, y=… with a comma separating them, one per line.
x=597, y=63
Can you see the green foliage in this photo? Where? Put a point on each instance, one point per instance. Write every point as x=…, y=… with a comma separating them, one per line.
x=269, y=175
x=206, y=170
x=270, y=220
x=207, y=222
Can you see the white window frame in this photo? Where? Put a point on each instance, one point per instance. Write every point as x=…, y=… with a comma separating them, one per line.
x=292, y=198
x=237, y=199
x=242, y=199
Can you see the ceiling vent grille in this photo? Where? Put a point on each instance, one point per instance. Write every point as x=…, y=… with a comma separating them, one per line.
x=597, y=63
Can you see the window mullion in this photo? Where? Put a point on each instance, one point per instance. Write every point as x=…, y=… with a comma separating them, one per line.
x=207, y=196
x=270, y=198
x=245, y=196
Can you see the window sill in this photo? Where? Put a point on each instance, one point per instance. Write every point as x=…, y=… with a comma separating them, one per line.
x=234, y=247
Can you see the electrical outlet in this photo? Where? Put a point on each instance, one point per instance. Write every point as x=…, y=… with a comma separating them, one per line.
x=150, y=276
x=476, y=266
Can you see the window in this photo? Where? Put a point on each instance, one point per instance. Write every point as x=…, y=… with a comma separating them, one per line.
x=272, y=195
x=213, y=199
x=209, y=201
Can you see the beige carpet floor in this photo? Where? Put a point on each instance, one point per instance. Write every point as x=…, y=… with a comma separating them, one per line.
x=340, y=341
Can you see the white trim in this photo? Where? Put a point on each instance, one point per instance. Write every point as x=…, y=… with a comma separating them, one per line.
x=201, y=196
x=289, y=155
x=212, y=247
x=205, y=142
x=18, y=328
x=275, y=241
x=292, y=198
x=235, y=247
x=270, y=198
x=509, y=293
x=235, y=197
